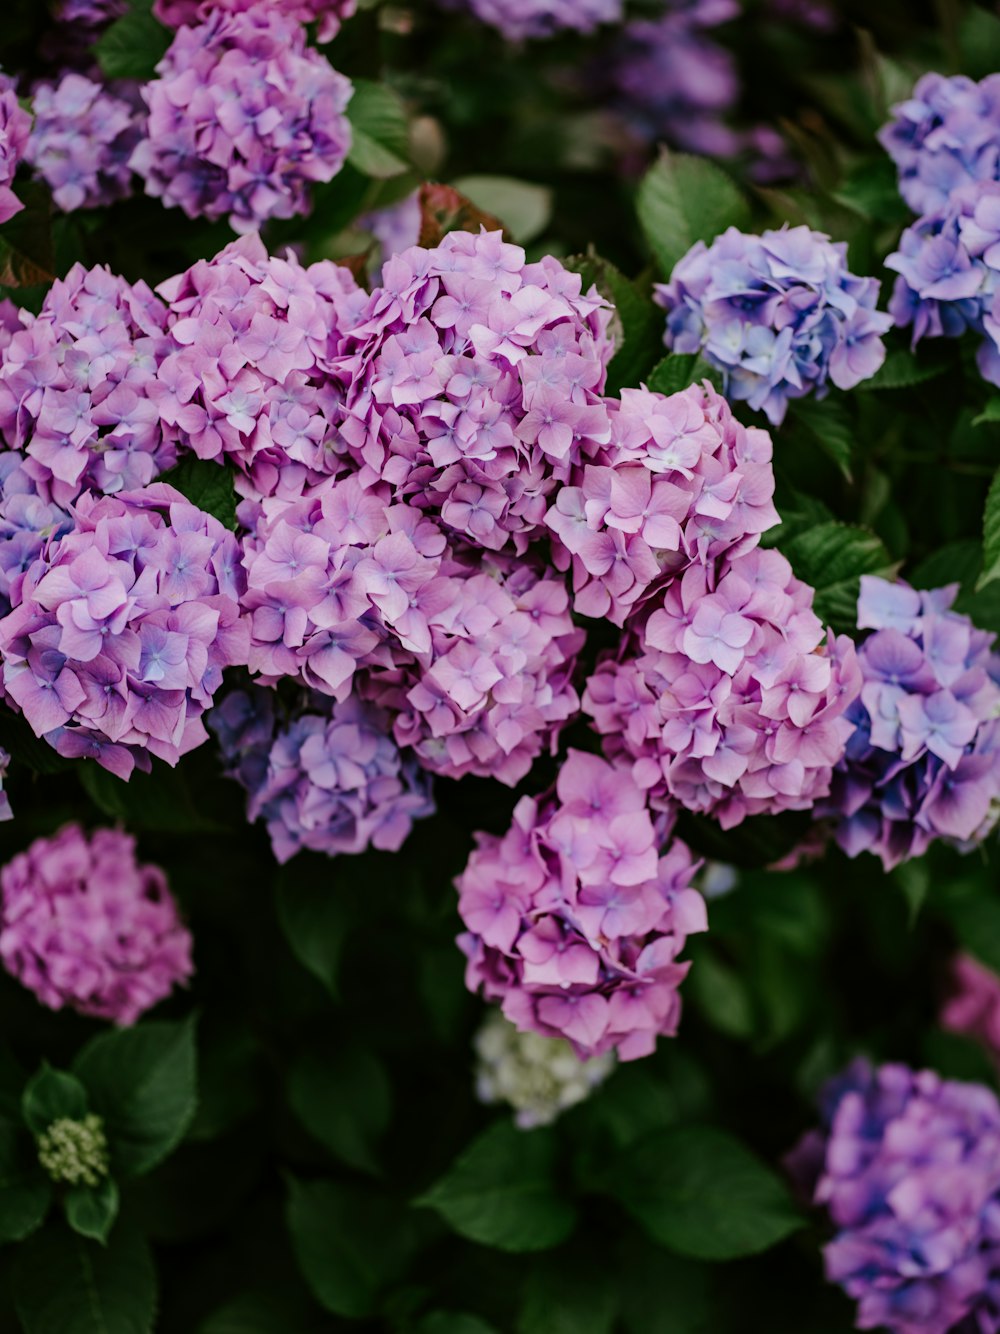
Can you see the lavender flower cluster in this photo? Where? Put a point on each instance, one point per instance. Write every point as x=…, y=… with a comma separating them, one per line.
x=244, y=118
x=924, y=758
x=329, y=14
x=83, y=925
x=575, y=922
x=519, y=20
x=907, y=1166
x=780, y=315
x=329, y=778
x=82, y=141
x=122, y=628
x=15, y=126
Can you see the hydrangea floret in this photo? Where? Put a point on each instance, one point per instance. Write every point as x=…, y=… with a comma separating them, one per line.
x=680, y=482
x=574, y=921
x=727, y=696
x=244, y=118
x=538, y=1077
x=123, y=627
x=780, y=315
x=907, y=1165
x=923, y=761
x=328, y=14
x=81, y=142
x=519, y=20
x=85, y=926
x=76, y=383
x=75, y=1153
x=15, y=127
x=329, y=778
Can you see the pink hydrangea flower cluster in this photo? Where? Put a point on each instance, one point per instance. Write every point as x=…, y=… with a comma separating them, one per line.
x=244, y=118
x=246, y=367
x=329, y=14
x=729, y=698
x=972, y=1007
x=475, y=660
x=122, y=630
x=15, y=126
x=574, y=922
x=472, y=384
x=681, y=482
x=329, y=778
x=82, y=141
x=83, y=925
x=75, y=386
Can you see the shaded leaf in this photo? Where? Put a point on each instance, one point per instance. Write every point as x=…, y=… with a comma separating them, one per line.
x=315, y=918
x=832, y=557
x=159, y=800
x=829, y=424
x=342, y=1097
x=207, y=484
x=133, y=45
x=684, y=199
x=902, y=369
x=991, y=535
x=92, y=1210
x=25, y=1191
x=64, y=1284
x=51, y=1095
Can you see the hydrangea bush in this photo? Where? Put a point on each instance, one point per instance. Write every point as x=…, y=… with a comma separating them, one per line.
x=499, y=687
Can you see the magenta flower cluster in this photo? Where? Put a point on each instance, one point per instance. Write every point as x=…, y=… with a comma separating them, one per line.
x=329, y=778
x=924, y=758
x=518, y=20
x=907, y=1165
x=83, y=925
x=680, y=482
x=729, y=698
x=472, y=384
x=949, y=273
x=780, y=315
x=122, y=629
x=244, y=118
x=245, y=370
x=328, y=14
x=574, y=922
x=944, y=136
x=82, y=141
x=76, y=386
x=15, y=126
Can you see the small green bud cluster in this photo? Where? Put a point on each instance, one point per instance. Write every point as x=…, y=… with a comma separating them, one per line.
x=75, y=1151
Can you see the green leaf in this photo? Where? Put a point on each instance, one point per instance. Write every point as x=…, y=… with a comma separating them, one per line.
x=315, y=917
x=26, y=253
x=64, y=1284
x=502, y=1191
x=208, y=485
x=685, y=199
x=991, y=535
x=523, y=207
x=142, y=1082
x=342, y=1097
x=20, y=742
x=990, y=413
x=673, y=373
x=637, y=325
x=699, y=1192
x=453, y=1322
x=351, y=1243
x=829, y=424
x=565, y=1295
x=91, y=1210
x=133, y=45
x=914, y=879
x=873, y=192
x=51, y=1095
x=381, y=137
x=976, y=919
x=901, y=370
x=832, y=557
x=25, y=1191
x=158, y=801
x=721, y=995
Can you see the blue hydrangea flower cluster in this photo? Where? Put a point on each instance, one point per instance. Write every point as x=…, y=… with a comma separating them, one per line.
x=924, y=760
x=908, y=1167
x=330, y=778
x=780, y=315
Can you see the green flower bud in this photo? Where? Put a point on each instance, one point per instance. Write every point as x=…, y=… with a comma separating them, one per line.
x=75, y=1152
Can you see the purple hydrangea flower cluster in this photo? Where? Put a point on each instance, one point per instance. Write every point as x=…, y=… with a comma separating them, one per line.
x=908, y=1167
x=474, y=660
x=122, y=629
x=779, y=314
x=519, y=20
x=15, y=126
x=93, y=13
x=944, y=136
x=27, y=522
x=246, y=370
x=331, y=778
x=949, y=273
x=574, y=922
x=75, y=386
x=244, y=118
x=924, y=759
x=82, y=142
x=329, y=14
x=472, y=384
x=83, y=925
x=680, y=482
x=728, y=698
